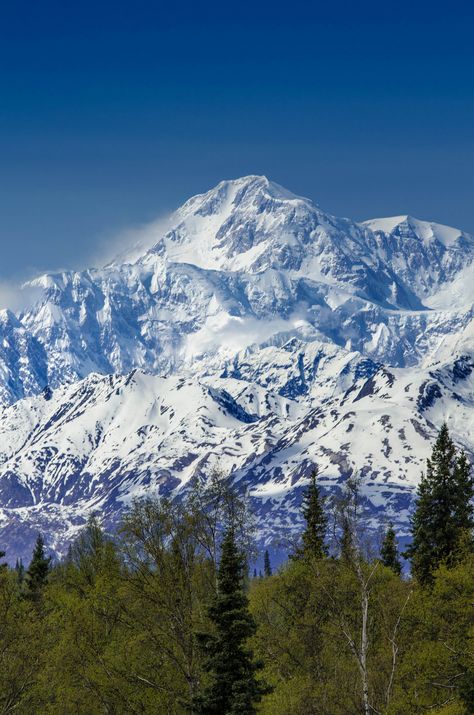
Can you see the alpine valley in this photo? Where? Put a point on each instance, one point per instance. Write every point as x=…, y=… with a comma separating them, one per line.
x=250, y=332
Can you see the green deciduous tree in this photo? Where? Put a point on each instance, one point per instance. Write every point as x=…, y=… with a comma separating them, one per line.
x=323, y=626
x=167, y=586
x=438, y=650
x=85, y=666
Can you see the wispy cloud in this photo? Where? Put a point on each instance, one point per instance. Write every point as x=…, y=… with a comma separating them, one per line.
x=17, y=297
x=230, y=333
x=129, y=244
x=123, y=246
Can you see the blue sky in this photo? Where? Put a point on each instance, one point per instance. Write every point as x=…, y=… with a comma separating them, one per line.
x=113, y=113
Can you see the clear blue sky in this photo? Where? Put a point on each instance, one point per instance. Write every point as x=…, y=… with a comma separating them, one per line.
x=112, y=113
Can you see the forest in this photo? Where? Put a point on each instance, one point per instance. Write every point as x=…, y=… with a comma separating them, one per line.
x=168, y=614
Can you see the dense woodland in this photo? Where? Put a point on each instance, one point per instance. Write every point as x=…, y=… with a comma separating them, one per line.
x=168, y=616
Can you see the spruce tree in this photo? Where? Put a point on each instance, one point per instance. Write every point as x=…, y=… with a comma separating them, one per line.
x=464, y=507
x=267, y=567
x=3, y=565
x=389, y=551
x=20, y=571
x=233, y=688
x=467, y=690
x=347, y=544
x=314, y=534
x=38, y=570
x=443, y=514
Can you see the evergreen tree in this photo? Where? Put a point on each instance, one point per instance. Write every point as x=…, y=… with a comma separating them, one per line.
x=20, y=571
x=314, y=534
x=267, y=567
x=38, y=570
x=2, y=556
x=464, y=507
x=347, y=543
x=443, y=511
x=233, y=688
x=90, y=550
x=389, y=551
x=467, y=690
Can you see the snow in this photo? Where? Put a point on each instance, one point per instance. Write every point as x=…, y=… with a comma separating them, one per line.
x=427, y=231
x=268, y=336
x=98, y=442
x=245, y=262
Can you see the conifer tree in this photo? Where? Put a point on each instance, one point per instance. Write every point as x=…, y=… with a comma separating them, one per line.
x=90, y=550
x=38, y=570
x=347, y=519
x=467, y=690
x=389, y=551
x=233, y=687
x=2, y=556
x=314, y=534
x=464, y=507
x=20, y=571
x=347, y=545
x=443, y=511
x=267, y=567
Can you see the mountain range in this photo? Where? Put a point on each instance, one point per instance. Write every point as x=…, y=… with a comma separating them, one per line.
x=250, y=332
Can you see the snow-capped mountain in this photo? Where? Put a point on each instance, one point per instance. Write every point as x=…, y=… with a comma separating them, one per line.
x=266, y=420
x=250, y=329
x=245, y=262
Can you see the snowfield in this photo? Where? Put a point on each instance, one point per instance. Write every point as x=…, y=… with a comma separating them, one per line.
x=250, y=331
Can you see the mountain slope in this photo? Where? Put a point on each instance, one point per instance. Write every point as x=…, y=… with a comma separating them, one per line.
x=99, y=443
x=250, y=329
x=247, y=260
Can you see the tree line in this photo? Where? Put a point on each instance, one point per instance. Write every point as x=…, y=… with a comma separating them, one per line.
x=165, y=618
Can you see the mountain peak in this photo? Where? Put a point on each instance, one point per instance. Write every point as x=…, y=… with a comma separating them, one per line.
x=411, y=227
x=246, y=263
x=262, y=183
x=232, y=192
x=237, y=201
x=267, y=334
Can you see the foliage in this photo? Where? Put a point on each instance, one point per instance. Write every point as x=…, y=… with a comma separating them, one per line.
x=314, y=534
x=38, y=570
x=161, y=619
x=232, y=687
x=389, y=551
x=20, y=647
x=439, y=659
x=267, y=567
x=443, y=520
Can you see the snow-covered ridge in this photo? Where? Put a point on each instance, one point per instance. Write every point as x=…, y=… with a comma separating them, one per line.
x=245, y=263
x=267, y=420
x=249, y=327
x=427, y=231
